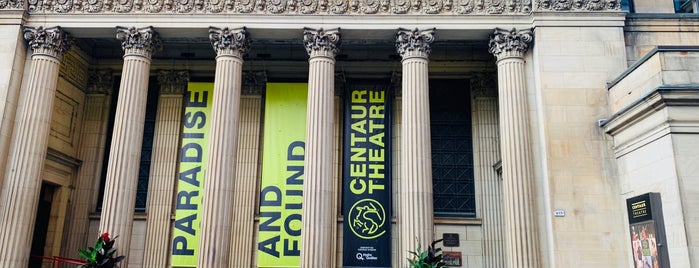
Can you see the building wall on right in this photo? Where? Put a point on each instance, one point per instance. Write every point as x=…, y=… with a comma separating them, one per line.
x=654, y=123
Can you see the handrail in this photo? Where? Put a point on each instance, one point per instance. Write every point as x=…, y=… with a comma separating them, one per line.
x=56, y=261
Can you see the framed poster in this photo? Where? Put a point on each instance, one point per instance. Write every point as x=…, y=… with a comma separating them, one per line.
x=647, y=231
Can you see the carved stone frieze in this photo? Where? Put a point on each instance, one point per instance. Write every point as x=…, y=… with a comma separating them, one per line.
x=101, y=81
x=579, y=5
x=414, y=41
x=229, y=41
x=510, y=42
x=12, y=4
x=52, y=41
x=291, y=7
x=345, y=7
x=173, y=81
x=326, y=42
x=74, y=69
x=140, y=41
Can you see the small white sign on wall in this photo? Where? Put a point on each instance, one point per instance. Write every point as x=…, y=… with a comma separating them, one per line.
x=559, y=213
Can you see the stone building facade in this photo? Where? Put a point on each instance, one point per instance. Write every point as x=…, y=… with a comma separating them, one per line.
x=519, y=127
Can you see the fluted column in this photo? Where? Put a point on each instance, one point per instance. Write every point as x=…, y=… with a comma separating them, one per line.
x=20, y=192
x=487, y=137
x=92, y=146
x=125, y=153
x=217, y=202
x=242, y=231
x=415, y=216
x=521, y=236
x=318, y=219
x=163, y=169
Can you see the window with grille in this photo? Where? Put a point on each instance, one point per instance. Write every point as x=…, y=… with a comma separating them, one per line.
x=452, y=149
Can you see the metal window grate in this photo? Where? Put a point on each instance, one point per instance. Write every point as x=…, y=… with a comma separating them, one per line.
x=452, y=149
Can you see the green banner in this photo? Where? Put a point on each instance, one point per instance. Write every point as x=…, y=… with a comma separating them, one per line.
x=190, y=184
x=279, y=233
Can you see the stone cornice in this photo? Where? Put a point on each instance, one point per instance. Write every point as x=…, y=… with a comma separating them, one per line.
x=229, y=41
x=139, y=41
x=409, y=42
x=52, y=41
x=505, y=43
x=321, y=42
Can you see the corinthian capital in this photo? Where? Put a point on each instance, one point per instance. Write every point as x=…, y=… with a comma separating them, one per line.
x=511, y=42
x=100, y=82
x=51, y=41
x=321, y=42
x=229, y=41
x=173, y=82
x=139, y=41
x=409, y=42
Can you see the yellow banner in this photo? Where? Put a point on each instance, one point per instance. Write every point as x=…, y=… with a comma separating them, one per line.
x=190, y=184
x=279, y=238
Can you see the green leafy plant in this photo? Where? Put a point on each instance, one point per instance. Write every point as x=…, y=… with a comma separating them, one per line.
x=429, y=258
x=102, y=255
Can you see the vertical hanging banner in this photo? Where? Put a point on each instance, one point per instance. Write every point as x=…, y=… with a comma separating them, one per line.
x=367, y=177
x=279, y=233
x=190, y=183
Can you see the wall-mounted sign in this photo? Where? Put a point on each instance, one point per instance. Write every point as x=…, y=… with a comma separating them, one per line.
x=450, y=239
x=647, y=231
x=451, y=258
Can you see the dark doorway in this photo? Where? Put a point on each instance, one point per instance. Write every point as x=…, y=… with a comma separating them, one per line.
x=41, y=225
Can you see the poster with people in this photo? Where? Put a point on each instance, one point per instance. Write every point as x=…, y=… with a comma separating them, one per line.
x=644, y=245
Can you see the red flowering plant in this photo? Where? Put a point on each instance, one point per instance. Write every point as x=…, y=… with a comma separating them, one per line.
x=102, y=255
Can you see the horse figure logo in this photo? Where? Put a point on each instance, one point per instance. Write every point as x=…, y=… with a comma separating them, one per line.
x=366, y=218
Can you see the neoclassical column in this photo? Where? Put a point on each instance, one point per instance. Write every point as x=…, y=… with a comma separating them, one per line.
x=521, y=236
x=487, y=141
x=219, y=180
x=163, y=169
x=125, y=153
x=92, y=146
x=20, y=192
x=318, y=218
x=244, y=203
x=415, y=215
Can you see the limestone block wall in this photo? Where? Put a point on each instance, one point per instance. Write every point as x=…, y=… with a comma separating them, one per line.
x=574, y=170
x=653, y=6
x=651, y=168
x=686, y=147
x=644, y=32
x=470, y=242
x=662, y=66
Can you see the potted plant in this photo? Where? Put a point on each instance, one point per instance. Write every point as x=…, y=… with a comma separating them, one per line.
x=429, y=258
x=102, y=255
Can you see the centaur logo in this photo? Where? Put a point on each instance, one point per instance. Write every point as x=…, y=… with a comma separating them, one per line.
x=367, y=216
